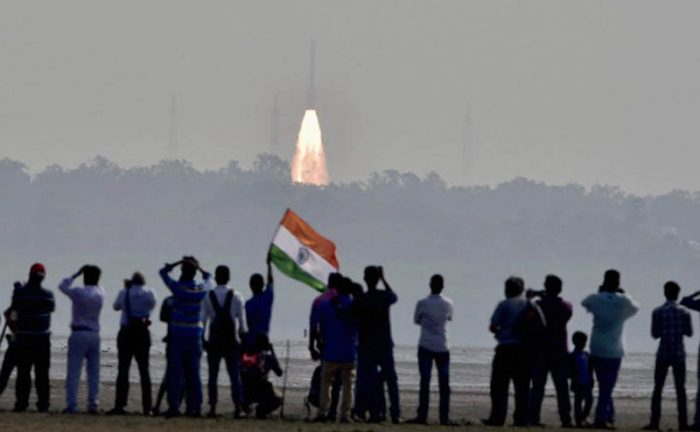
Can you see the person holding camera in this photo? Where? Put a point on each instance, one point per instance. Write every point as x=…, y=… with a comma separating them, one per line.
x=185, y=335
x=136, y=302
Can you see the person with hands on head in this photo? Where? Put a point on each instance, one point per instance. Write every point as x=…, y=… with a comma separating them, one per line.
x=185, y=332
x=258, y=309
x=84, y=341
x=29, y=319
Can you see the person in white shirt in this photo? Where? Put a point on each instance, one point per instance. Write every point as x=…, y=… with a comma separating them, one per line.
x=84, y=341
x=223, y=309
x=610, y=308
x=432, y=315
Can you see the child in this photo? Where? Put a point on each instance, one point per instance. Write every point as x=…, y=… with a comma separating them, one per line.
x=257, y=389
x=581, y=379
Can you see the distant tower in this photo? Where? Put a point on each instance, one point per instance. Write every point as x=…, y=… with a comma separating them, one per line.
x=173, y=134
x=274, y=126
x=311, y=96
x=467, y=139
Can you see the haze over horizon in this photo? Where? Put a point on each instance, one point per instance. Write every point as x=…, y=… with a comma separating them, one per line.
x=587, y=92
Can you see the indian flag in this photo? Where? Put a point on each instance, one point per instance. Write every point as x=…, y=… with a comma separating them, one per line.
x=303, y=254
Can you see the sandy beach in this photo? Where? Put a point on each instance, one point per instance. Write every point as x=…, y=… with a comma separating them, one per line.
x=467, y=409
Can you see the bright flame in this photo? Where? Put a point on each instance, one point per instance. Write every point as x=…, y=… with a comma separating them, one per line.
x=309, y=164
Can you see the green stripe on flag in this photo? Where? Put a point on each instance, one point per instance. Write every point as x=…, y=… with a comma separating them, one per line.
x=288, y=266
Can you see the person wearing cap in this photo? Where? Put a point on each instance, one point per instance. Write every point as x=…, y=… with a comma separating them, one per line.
x=84, y=341
x=136, y=302
x=610, y=308
x=185, y=332
x=30, y=312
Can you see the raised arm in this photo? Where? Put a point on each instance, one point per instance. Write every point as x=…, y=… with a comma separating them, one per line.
x=165, y=274
x=691, y=301
x=270, y=280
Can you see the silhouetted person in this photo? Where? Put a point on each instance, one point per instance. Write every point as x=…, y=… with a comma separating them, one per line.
x=316, y=343
x=185, y=335
x=551, y=357
x=136, y=302
x=670, y=322
x=510, y=361
x=31, y=309
x=339, y=338
x=693, y=302
x=375, y=361
x=84, y=341
x=258, y=362
x=258, y=309
x=9, y=360
x=224, y=309
x=432, y=315
x=166, y=313
x=581, y=374
x=610, y=307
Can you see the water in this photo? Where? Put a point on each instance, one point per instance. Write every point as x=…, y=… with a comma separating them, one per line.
x=469, y=369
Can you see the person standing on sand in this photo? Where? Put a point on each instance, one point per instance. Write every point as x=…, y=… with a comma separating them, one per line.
x=552, y=355
x=376, y=346
x=610, y=308
x=84, y=341
x=223, y=307
x=339, y=338
x=670, y=322
x=258, y=309
x=136, y=302
x=30, y=320
x=510, y=361
x=432, y=315
x=316, y=344
x=185, y=335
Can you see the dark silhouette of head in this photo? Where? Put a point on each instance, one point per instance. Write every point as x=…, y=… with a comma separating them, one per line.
x=188, y=269
x=346, y=286
x=261, y=343
x=611, y=281
x=334, y=280
x=138, y=279
x=257, y=283
x=552, y=285
x=222, y=274
x=91, y=276
x=37, y=273
x=357, y=289
x=437, y=284
x=371, y=277
x=514, y=286
x=579, y=339
x=672, y=290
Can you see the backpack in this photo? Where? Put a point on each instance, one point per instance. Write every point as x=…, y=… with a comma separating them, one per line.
x=222, y=333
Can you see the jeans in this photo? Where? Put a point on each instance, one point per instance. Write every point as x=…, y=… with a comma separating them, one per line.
x=328, y=374
x=425, y=367
x=83, y=345
x=660, y=372
x=184, y=359
x=583, y=401
x=370, y=382
x=606, y=372
x=555, y=364
x=28, y=352
x=509, y=364
x=133, y=342
x=214, y=357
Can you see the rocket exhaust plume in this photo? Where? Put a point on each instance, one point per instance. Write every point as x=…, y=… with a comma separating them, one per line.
x=309, y=163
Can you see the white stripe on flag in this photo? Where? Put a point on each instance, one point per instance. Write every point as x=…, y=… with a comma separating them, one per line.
x=307, y=259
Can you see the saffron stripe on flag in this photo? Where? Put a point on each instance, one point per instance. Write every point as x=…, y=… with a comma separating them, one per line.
x=310, y=238
x=288, y=266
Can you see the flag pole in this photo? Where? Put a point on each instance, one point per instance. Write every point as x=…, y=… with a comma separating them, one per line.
x=284, y=383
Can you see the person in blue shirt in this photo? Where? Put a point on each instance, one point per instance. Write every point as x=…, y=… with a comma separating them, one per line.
x=581, y=372
x=185, y=335
x=258, y=309
x=338, y=336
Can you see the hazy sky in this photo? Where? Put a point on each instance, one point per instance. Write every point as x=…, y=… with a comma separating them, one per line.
x=587, y=91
